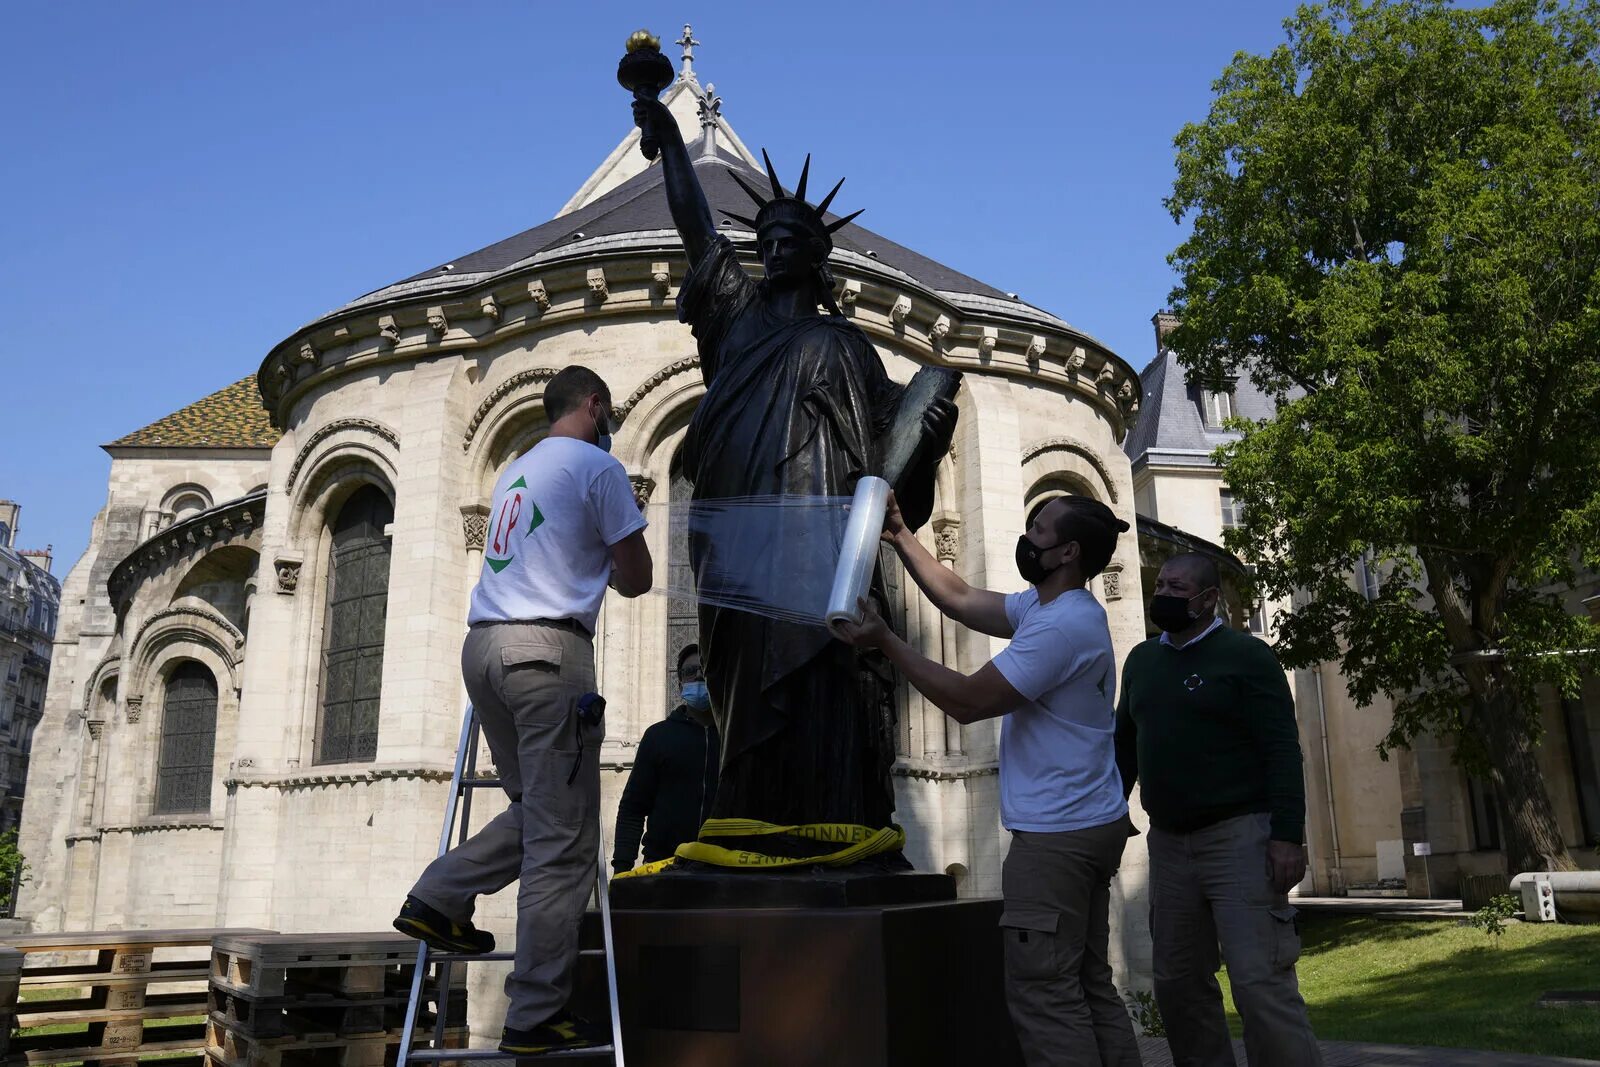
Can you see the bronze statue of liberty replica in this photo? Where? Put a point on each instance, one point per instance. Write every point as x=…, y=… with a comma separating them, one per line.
x=797, y=403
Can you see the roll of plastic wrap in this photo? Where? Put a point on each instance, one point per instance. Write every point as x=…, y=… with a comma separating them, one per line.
x=858, y=554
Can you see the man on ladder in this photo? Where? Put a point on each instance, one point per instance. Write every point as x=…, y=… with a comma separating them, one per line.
x=564, y=525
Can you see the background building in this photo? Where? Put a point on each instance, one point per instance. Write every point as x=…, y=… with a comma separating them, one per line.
x=30, y=600
x=1364, y=815
x=260, y=695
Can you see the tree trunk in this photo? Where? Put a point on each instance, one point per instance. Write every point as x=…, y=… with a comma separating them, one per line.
x=1532, y=834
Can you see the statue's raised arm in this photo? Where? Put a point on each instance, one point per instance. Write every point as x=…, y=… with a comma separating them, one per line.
x=687, y=201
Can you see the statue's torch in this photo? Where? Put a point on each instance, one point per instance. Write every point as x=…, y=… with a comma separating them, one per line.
x=645, y=72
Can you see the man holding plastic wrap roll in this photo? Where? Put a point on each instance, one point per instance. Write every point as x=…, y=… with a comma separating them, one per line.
x=1060, y=793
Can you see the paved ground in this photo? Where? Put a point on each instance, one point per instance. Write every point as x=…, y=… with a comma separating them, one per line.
x=1356, y=1054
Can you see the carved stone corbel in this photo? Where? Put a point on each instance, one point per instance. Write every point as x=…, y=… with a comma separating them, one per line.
x=946, y=538
x=660, y=278
x=1108, y=374
x=135, y=709
x=96, y=728
x=643, y=486
x=288, y=571
x=474, y=525
x=437, y=321
x=1076, y=360
x=849, y=295
x=1111, y=581
x=939, y=330
x=308, y=354
x=539, y=295
x=901, y=310
x=388, y=330
x=1035, y=351
x=598, y=287
x=490, y=308
x=986, y=343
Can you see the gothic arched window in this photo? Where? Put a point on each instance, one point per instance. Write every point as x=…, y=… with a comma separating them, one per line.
x=188, y=741
x=352, y=649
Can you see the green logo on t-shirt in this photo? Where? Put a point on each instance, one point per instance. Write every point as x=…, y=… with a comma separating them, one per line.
x=501, y=549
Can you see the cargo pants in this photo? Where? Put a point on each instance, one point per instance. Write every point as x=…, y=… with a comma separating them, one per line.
x=524, y=680
x=1211, y=888
x=1057, y=889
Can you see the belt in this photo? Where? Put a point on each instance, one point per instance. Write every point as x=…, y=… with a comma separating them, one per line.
x=570, y=625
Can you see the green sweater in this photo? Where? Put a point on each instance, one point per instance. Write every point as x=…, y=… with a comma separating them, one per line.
x=1209, y=731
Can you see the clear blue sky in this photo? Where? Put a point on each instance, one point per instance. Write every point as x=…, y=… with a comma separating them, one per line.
x=185, y=184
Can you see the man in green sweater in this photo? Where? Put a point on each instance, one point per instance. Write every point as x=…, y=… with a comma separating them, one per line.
x=1205, y=724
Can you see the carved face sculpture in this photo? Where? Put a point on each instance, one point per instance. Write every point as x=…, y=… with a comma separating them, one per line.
x=597, y=285
x=436, y=323
x=787, y=256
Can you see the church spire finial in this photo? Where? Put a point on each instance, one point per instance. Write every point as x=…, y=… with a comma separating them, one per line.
x=688, y=42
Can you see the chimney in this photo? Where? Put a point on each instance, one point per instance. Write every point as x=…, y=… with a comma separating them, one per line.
x=9, y=511
x=1165, y=322
x=40, y=556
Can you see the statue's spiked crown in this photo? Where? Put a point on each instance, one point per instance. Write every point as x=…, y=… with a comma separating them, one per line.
x=781, y=209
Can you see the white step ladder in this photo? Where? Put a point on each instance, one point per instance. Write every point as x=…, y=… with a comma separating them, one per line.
x=458, y=812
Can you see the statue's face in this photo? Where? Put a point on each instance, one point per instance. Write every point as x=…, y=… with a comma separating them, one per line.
x=787, y=256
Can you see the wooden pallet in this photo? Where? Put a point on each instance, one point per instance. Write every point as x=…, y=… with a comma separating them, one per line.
x=121, y=987
x=280, y=965
x=81, y=1047
x=226, y=1047
x=281, y=1016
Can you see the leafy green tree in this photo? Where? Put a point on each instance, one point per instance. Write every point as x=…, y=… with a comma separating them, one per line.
x=1396, y=230
x=13, y=869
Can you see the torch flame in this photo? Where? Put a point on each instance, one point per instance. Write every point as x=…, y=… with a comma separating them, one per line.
x=642, y=40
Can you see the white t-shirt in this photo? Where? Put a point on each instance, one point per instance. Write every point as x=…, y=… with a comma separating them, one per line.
x=1058, y=762
x=557, y=511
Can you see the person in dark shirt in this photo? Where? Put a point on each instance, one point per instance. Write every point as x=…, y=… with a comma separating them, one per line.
x=1205, y=724
x=674, y=779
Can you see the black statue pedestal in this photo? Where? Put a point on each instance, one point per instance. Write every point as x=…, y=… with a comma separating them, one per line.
x=729, y=969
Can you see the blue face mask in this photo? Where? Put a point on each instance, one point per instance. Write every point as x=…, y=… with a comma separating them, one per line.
x=696, y=696
x=603, y=439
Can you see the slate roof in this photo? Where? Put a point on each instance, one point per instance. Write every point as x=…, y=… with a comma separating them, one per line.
x=640, y=205
x=1172, y=419
x=231, y=417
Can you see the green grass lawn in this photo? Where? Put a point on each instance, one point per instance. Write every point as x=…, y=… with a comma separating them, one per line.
x=1431, y=982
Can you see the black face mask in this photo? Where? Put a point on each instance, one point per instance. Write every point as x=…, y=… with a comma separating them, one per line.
x=1034, y=572
x=1171, y=613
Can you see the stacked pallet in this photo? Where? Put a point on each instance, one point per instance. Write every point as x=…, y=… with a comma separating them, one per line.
x=319, y=1000
x=100, y=1009
x=10, y=990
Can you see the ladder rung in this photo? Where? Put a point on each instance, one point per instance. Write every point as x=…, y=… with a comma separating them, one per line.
x=480, y=783
x=430, y=1055
x=469, y=957
x=490, y=957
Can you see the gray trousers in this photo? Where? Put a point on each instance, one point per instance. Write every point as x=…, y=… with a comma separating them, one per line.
x=1212, y=886
x=524, y=680
x=1057, y=930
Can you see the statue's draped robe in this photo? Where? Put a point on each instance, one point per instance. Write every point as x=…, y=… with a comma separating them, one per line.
x=792, y=406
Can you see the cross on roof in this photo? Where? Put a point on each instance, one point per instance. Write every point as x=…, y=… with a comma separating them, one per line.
x=688, y=42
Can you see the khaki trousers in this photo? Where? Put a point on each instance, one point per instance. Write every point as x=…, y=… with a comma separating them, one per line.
x=1057, y=890
x=1212, y=886
x=525, y=679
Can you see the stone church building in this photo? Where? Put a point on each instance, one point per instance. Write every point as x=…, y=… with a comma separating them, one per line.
x=257, y=694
